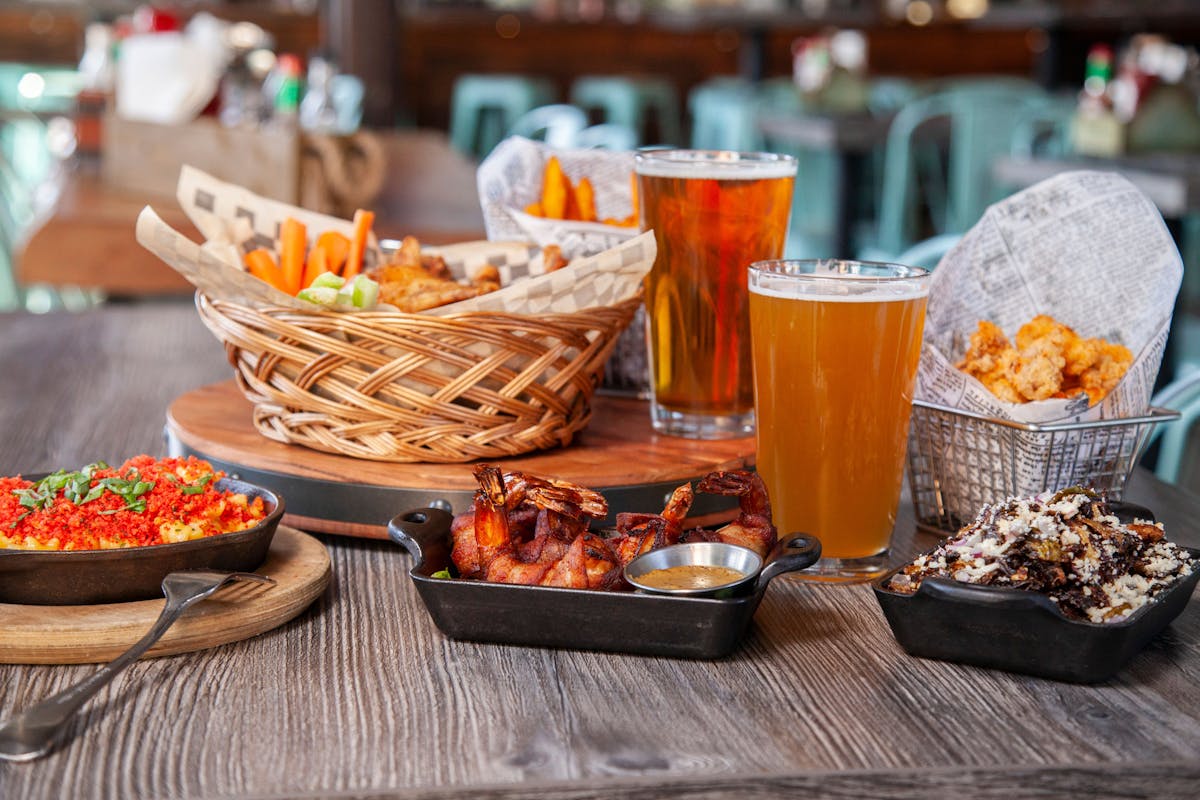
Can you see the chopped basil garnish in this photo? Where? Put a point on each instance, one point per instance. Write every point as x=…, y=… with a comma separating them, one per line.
x=77, y=487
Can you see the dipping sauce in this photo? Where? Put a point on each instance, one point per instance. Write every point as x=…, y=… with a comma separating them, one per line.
x=690, y=576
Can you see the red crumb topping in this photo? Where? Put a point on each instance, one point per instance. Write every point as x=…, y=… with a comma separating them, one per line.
x=142, y=502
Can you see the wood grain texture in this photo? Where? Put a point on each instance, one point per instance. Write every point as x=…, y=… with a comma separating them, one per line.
x=297, y=562
x=618, y=448
x=360, y=696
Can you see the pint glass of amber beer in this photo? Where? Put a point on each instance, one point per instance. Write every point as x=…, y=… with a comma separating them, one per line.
x=836, y=346
x=712, y=213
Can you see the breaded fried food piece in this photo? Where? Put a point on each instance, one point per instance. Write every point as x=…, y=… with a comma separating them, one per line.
x=1037, y=371
x=411, y=288
x=1106, y=372
x=487, y=278
x=1082, y=354
x=1043, y=330
x=1050, y=360
x=988, y=344
x=552, y=258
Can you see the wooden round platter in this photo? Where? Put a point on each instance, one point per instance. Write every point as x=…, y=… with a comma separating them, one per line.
x=618, y=454
x=99, y=633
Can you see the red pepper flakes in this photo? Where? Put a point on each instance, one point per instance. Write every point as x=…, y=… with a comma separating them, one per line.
x=183, y=494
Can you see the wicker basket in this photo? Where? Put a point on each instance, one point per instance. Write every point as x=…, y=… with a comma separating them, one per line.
x=390, y=386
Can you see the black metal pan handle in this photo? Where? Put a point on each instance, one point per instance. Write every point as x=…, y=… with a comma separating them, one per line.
x=793, y=552
x=948, y=589
x=424, y=533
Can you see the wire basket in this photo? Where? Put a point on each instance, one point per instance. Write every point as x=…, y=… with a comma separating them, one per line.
x=959, y=461
x=390, y=386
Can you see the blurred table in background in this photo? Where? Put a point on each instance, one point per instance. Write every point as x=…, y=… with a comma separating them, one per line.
x=850, y=137
x=88, y=240
x=1170, y=180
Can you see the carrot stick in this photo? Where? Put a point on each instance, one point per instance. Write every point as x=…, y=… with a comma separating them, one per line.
x=293, y=239
x=336, y=246
x=261, y=264
x=318, y=262
x=633, y=196
x=585, y=196
x=358, y=242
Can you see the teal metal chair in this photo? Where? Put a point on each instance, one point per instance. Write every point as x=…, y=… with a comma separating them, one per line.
x=980, y=114
x=558, y=125
x=34, y=104
x=1044, y=128
x=483, y=108
x=1182, y=395
x=723, y=115
x=632, y=102
x=606, y=136
x=929, y=252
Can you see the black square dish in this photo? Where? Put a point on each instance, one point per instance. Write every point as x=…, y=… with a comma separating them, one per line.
x=1022, y=631
x=583, y=619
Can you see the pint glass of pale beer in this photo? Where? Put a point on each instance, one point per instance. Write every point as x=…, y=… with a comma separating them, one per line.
x=836, y=346
x=712, y=213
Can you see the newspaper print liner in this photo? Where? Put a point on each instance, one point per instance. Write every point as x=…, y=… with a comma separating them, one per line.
x=510, y=178
x=1087, y=248
x=235, y=221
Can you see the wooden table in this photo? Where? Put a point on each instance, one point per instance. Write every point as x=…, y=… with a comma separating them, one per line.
x=88, y=240
x=850, y=137
x=362, y=697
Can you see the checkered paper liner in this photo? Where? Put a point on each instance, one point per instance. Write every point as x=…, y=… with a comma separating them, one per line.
x=234, y=221
x=510, y=178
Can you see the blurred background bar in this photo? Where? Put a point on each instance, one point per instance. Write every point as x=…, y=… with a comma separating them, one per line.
x=907, y=117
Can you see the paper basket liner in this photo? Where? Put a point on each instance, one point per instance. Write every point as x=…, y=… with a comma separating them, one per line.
x=510, y=178
x=1087, y=248
x=235, y=221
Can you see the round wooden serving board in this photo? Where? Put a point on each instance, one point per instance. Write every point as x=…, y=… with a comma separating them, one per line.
x=91, y=634
x=618, y=454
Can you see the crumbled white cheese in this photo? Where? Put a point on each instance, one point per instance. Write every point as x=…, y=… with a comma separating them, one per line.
x=1072, y=548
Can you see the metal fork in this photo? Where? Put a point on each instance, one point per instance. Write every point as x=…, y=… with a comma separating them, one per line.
x=33, y=733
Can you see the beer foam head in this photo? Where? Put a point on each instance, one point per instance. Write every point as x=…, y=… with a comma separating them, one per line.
x=835, y=281
x=720, y=165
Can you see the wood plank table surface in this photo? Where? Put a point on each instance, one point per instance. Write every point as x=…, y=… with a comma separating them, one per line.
x=362, y=697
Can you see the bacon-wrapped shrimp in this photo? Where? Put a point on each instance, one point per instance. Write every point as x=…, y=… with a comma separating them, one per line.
x=560, y=551
x=639, y=533
x=752, y=527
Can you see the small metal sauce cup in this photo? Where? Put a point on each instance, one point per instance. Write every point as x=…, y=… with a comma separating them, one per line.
x=710, y=554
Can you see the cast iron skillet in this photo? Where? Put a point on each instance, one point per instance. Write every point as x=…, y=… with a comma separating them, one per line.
x=83, y=577
x=1023, y=631
x=540, y=616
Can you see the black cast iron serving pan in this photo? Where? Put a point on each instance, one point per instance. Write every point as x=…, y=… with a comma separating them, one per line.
x=84, y=577
x=540, y=616
x=1023, y=631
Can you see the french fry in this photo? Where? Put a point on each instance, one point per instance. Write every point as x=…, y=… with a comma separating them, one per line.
x=572, y=212
x=534, y=209
x=555, y=190
x=633, y=197
x=293, y=241
x=585, y=197
x=336, y=246
x=261, y=264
